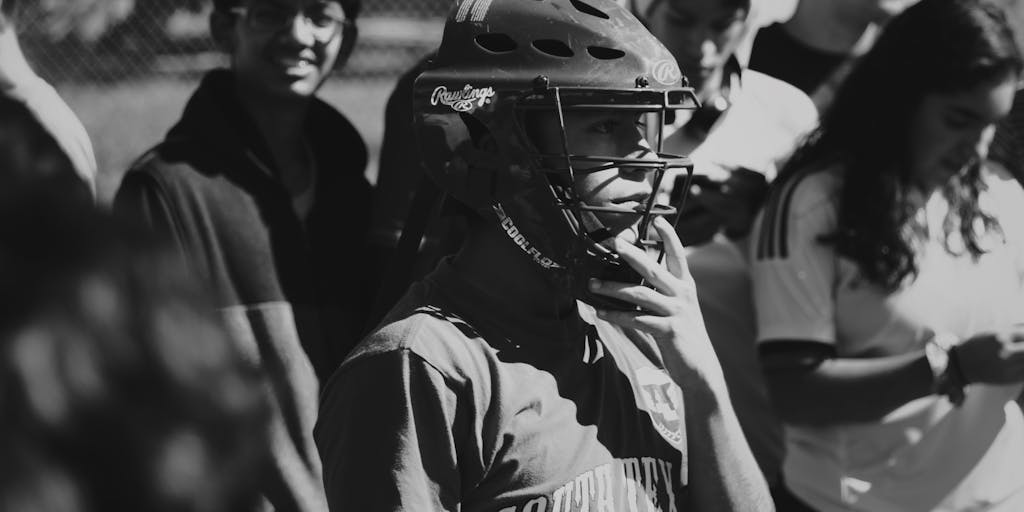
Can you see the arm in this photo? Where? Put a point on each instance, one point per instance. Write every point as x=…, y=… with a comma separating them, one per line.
x=19, y=82
x=793, y=284
x=809, y=388
x=728, y=476
x=387, y=436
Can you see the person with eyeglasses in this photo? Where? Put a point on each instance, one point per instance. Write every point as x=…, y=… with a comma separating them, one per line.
x=261, y=185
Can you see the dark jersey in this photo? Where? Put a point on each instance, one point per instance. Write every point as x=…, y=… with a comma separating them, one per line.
x=449, y=407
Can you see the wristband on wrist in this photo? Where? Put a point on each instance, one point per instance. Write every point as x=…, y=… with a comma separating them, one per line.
x=948, y=377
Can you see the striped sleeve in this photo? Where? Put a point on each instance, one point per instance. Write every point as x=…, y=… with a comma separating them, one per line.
x=793, y=273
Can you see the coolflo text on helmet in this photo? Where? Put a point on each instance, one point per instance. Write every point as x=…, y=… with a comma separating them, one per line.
x=496, y=62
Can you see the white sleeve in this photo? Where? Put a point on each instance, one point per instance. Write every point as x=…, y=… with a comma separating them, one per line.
x=57, y=118
x=793, y=273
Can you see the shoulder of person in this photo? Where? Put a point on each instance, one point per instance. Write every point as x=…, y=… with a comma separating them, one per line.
x=812, y=192
x=177, y=167
x=785, y=102
x=442, y=340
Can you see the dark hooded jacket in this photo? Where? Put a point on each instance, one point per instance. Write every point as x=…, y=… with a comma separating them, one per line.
x=293, y=291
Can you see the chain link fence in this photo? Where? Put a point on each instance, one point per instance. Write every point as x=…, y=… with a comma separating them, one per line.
x=103, y=41
x=127, y=67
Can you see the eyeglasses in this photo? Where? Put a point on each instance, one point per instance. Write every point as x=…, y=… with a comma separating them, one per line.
x=326, y=20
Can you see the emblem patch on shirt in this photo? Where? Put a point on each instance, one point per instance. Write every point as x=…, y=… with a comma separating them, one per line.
x=663, y=400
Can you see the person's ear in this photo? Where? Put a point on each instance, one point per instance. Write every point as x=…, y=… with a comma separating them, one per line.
x=222, y=29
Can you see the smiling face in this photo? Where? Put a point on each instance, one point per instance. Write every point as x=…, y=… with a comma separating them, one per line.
x=701, y=34
x=948, y=131
x=279, y=54
x=615, y=134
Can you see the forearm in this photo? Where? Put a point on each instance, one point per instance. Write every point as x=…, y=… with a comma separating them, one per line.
x=844, y=390
x=725, y=475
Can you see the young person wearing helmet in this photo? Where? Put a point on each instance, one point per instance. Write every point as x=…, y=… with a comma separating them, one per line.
x=543, y=367
x=261, y=185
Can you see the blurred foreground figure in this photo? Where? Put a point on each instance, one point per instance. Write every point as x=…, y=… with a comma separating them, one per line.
x=121, y=390
x=18, y=82
x=888, y=272
x=31, y=157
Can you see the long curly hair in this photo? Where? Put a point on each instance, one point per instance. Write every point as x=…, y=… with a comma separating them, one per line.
x=935, y=46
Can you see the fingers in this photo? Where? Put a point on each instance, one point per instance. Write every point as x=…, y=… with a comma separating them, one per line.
x=646, y=267
x=636, y=320
x=675, y=255
x=644, y=297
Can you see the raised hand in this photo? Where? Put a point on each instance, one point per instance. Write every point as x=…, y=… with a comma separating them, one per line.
x=669, y=311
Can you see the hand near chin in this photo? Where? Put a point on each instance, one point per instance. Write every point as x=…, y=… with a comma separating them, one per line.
x=669, y=311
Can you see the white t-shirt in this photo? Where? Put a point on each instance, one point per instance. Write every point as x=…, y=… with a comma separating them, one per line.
x=927, y=454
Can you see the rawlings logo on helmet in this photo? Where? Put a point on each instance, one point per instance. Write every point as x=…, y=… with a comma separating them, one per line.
x=666, y=72
x=462, y=100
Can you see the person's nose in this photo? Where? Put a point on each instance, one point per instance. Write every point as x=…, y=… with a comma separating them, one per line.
x=632, y=141
x=301, y=30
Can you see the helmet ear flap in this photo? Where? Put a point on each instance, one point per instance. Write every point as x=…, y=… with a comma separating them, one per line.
x=460, y=155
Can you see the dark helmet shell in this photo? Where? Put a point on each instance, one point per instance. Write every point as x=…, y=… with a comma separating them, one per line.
x=499, y=57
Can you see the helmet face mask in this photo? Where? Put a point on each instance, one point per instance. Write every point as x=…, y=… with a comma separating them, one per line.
x=502, y=67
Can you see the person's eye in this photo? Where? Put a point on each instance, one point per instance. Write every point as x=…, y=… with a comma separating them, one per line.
x=321, y=19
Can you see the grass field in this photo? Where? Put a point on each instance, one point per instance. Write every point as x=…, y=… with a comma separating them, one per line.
x=126, y=119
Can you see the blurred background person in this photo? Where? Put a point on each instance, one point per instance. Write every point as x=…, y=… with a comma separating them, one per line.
x=888, y=269
x=1008, y=143
x=260, y=184
x=747, y=126
x=20, y=83
x=813, y=48
x=121, y=389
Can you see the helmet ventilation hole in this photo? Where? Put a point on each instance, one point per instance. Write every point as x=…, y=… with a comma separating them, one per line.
x=586, y=8
x=496, y=43
x=602, y=53
x=553, y=47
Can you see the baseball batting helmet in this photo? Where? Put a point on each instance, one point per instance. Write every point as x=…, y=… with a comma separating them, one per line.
x=500, y=59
